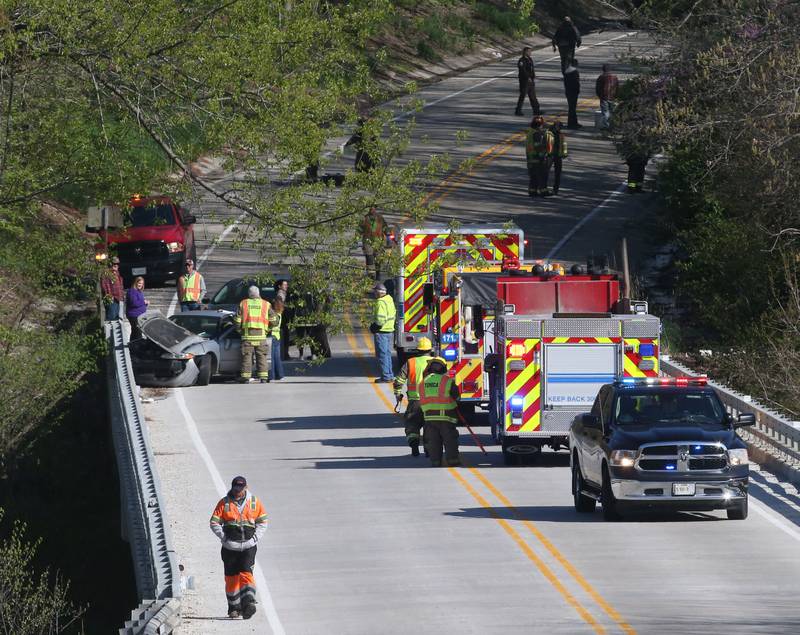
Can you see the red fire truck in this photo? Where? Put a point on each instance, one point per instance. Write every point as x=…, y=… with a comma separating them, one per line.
x=558, y=339
x=436, y=260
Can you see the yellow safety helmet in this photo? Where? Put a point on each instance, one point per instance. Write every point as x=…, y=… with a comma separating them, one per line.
x=438, y=359
x=424, y=344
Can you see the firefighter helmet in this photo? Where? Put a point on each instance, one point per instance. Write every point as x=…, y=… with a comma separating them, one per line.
x=424, y=344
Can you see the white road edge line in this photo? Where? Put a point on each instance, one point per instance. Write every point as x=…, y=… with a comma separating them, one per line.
x=219, y=485
x=774, y=519
x=583, y=221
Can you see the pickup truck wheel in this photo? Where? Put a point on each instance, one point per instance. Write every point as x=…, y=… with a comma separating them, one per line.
x=205, y=364
x=610, y=509
x=583, y=504
x=739, y=511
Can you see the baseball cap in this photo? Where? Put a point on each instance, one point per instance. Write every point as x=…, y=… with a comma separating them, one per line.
x=239, y=482
x=379, y=287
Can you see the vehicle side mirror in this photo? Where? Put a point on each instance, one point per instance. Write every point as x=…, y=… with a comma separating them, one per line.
x=591, y=422
x=427, y=295
x=477, y=316
x=189, y=219
x=745, y=419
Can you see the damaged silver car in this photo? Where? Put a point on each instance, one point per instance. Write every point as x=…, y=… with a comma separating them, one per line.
x=171, y=356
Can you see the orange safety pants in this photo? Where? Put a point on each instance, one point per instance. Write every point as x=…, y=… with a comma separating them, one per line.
x=240, y=585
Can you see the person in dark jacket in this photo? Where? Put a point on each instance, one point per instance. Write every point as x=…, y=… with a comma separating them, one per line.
x=606, y=90
x=135, y=306
x=572, y=89
x=361, y=140
x=637, y=164
x=560, y=153
x=527, y=86
x=566, y=39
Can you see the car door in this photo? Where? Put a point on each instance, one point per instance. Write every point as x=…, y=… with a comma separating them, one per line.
x=594, y=436
x=230, y=350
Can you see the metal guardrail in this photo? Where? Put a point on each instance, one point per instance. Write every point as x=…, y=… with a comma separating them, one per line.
x=773, y=442
x=144, y=524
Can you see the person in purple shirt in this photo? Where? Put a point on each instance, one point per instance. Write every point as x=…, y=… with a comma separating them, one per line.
x=135, y=306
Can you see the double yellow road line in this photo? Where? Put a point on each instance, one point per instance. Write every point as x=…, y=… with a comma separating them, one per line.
x=551, y=575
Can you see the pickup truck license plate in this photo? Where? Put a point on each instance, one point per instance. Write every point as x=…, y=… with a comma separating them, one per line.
x=138, y=271
x=683, y=489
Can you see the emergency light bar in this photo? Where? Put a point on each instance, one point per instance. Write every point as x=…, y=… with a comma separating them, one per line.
x=700, y=380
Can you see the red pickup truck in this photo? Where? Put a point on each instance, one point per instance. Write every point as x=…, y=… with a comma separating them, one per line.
x=157, y=239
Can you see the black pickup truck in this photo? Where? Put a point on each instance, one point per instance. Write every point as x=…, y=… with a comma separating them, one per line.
x=659, y=443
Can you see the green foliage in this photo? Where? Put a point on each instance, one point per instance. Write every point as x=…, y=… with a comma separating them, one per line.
x=427, y=52
x=31, y=604
x=513, y=22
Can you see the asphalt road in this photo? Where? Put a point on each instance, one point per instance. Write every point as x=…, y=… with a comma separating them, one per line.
x=365, y=539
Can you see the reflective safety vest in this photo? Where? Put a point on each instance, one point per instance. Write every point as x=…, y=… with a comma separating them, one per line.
x=385, y=313
x=276, y=326
x=239, y=524
x=190, y=287
x=435, y=400
x=562, y=151
x=253, y=319
x=539, y=144
x=415, y=366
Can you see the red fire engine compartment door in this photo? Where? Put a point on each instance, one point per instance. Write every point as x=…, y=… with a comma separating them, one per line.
x=537, y=295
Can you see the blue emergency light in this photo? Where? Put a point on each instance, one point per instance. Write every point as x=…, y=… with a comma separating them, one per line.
x=517, y=403
x=450, y=354
x=646, y=350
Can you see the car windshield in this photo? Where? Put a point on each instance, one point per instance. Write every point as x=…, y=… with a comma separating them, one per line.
x=668, y=407
x=236, y=290
x=207, y=326
x=152, y=215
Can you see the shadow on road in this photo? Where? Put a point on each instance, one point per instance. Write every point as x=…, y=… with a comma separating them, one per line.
x=567, y=514
x=336, y=422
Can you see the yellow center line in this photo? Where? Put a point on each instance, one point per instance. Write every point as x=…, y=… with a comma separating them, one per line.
x=607, y=608
x=546, y=571
x=541, y=565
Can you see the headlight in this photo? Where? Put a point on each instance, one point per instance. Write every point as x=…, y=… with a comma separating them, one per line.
x=101, y=256
x=623, y=458
x=738, y=457
x=174, y=247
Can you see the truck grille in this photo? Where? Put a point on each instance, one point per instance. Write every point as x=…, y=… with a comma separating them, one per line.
x=140, y=251
x=692, y=456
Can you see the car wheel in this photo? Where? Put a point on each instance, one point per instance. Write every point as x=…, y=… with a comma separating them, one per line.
x=610, y=505
x=738, y=511
x=206, y=366
x=583, y=504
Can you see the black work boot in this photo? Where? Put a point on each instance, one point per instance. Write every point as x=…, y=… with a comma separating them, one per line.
x=414, y=448
x=248, y=610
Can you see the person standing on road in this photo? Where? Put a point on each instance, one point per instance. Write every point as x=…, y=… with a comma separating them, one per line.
x=637, y=164
x=438, y=401
x=191, y=288
x=560, y=153
x=361, y=139
x=566, y=40
x=277, y=335
x=538, y=150
x=411, y=376
x=572, y=89
x=606, y=90
x=382, y=328
x=282, y=293
x=253, y=320
x=239, y=521
x=111, y=287
x=373, y=232
x=527, y=82
x=135, y=306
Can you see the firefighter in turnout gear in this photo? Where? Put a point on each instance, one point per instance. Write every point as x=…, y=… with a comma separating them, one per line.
x=239, y=521
x=438, y=400
x=411, y=376
x=539, y=152
x=191, y=288
x=255, y=320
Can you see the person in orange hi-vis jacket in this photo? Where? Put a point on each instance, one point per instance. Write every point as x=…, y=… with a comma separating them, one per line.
x=239, y=521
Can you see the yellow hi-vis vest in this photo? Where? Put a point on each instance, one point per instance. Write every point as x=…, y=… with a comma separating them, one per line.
x=435, y=400
x=190, y=287
x=385, y=313
x=415, y=366
x=253, y=319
